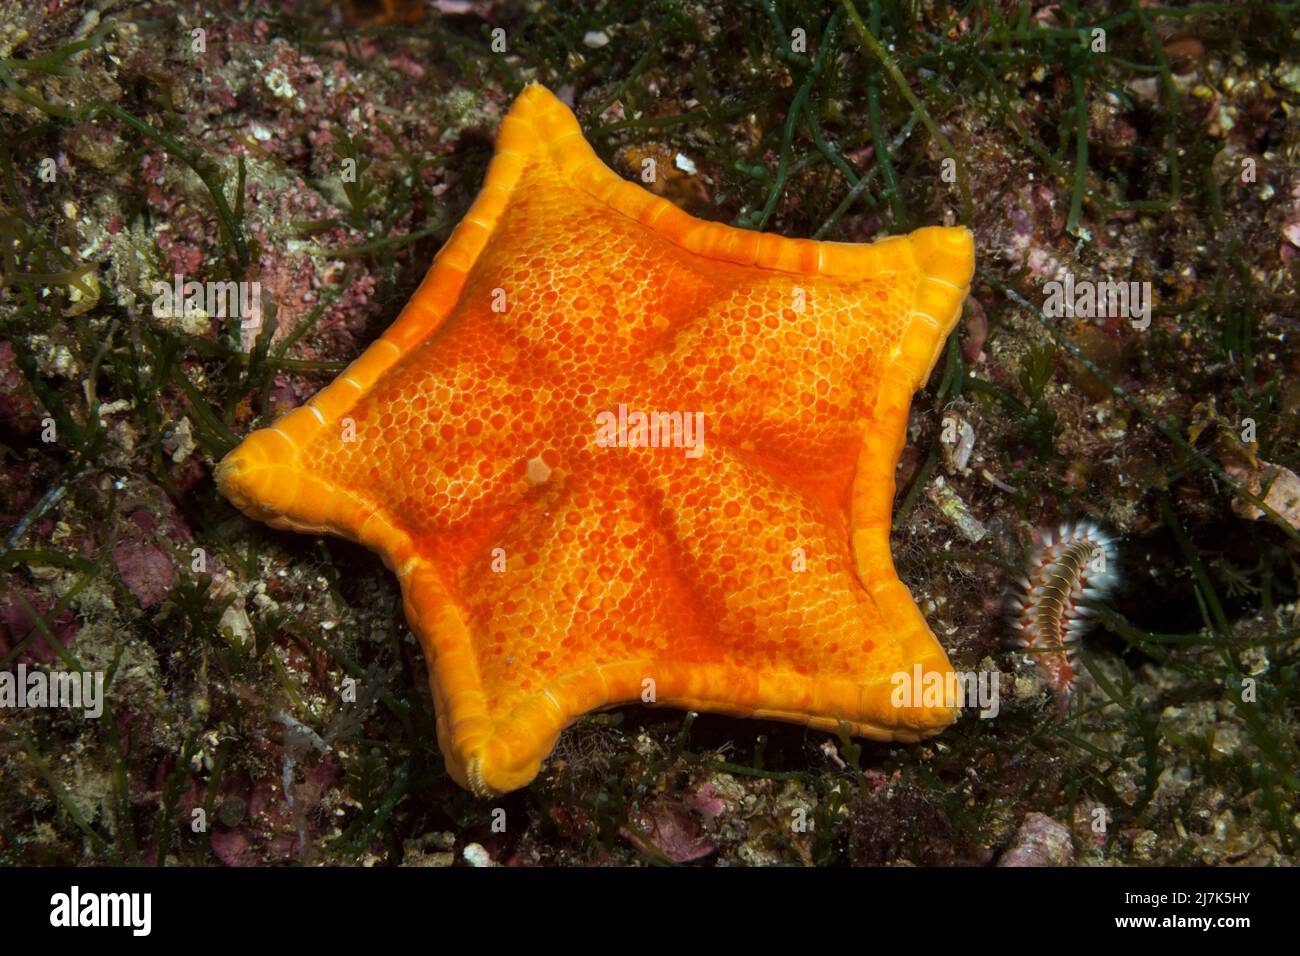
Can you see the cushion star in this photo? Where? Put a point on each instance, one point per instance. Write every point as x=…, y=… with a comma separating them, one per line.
x=552, y=564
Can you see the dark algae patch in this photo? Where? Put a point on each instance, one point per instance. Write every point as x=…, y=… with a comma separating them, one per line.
x=264, y=701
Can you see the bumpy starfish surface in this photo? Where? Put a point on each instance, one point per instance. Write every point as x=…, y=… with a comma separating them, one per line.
x=617, y=454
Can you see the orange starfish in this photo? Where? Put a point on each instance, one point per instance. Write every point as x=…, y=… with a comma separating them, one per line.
x=616, y=454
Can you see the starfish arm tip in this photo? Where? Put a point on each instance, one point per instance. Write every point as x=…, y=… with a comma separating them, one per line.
x=944, y=257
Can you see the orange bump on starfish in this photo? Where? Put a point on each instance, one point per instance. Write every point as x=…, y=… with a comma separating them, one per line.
x=548, y=571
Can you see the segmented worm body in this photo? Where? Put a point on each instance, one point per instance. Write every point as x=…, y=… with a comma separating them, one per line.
x=1065, y=567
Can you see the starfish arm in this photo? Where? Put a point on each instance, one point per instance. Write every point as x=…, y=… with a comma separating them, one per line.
x=262, y=476
x=785, y=368
x=788, y=363
x=774, y=572
x=509, y=641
